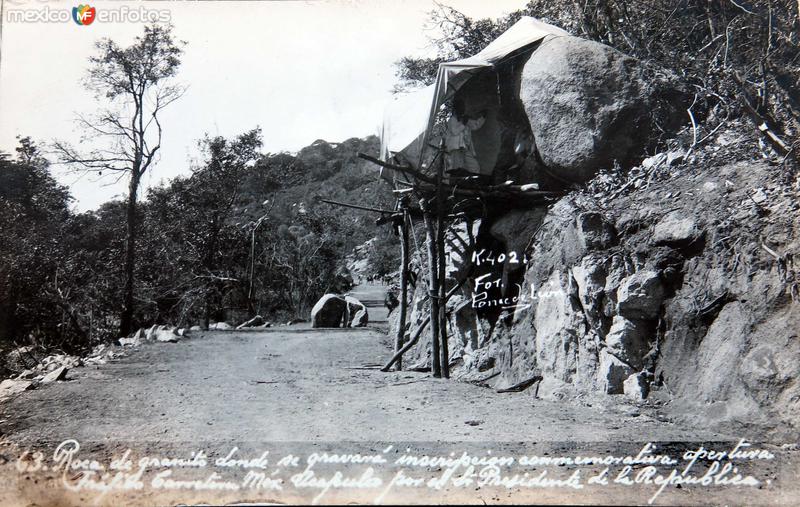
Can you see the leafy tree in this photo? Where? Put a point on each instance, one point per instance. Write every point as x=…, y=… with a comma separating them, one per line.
x=33, y=211
x=384, y=255
x=195, y=218
x=137, y=81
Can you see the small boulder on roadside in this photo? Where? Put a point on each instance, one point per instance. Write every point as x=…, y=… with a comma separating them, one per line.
x=11, y=387
x=102, y=354
x=361, y=318
x=164, y=334
x=256, y=321
x=357, y=312
x=134, y=340
x=220, y=326
x=55, y=375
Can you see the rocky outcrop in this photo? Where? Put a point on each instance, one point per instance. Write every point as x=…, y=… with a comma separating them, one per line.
x=53, y=368
x=640, y=295
x=59, y=373
x=646, y=296
x=589, y=105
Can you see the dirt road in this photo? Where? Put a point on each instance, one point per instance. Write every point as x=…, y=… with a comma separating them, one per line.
x=302, y=384
x=282, y=385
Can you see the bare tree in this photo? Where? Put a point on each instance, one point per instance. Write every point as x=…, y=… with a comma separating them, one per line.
x=136, y=82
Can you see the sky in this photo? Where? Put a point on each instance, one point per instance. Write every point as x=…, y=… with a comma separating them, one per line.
x=301, y=70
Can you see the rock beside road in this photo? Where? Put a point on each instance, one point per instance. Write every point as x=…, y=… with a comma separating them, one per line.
x=333, y=310
x=11, y=387
x=360, y=318
x=357, y=314
x=57, y=374
x=328, y=311
x=257, y=321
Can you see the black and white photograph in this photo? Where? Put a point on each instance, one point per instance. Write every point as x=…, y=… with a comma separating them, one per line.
x=377, y=252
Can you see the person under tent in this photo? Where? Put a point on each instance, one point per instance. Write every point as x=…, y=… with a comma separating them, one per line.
x=462, y=161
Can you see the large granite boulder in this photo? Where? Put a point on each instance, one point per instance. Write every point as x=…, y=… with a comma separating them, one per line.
x=589, y=104
x=328, y=311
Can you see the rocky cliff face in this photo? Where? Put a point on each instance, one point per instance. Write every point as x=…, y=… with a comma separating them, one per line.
x=673, y=281
x=682, y=289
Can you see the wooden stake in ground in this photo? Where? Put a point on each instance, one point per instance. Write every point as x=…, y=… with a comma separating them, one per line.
x=401, y=326
x=441, y=272
x=433, y=287
x=415, y=335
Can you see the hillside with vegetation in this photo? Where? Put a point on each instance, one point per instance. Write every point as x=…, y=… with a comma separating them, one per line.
x=243, y=234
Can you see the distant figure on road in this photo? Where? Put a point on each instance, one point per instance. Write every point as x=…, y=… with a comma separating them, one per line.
x=390, y=301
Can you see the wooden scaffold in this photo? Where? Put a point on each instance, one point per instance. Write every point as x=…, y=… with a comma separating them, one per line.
x=438, y=197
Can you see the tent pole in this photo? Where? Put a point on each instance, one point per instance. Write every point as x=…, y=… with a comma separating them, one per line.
x=401, y=326
x=433, y=287
x=442, y=271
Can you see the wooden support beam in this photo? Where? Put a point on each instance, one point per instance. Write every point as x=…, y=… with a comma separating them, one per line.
x=433, y=287
x=401, y=326
x=398, y=356
x=356, y=206
x=441, y=272
x=463, y=187
x=490, y=191
x=415, y=337
x=401, y=168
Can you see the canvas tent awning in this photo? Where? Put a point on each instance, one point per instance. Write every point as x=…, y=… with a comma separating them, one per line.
x=409, y=118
